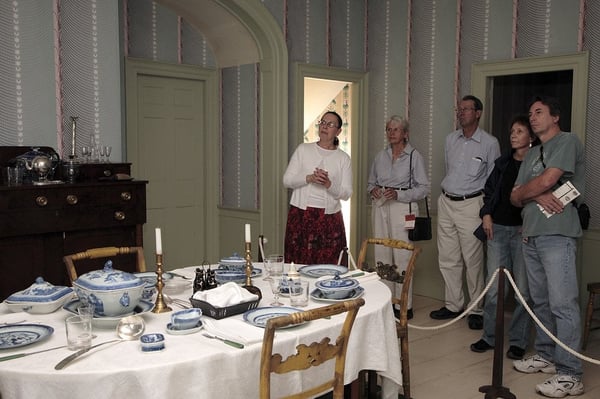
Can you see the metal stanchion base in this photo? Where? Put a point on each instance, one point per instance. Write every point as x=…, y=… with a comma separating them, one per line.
x=492, y=392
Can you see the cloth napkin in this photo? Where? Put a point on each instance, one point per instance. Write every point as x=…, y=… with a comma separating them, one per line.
x=234, y=329
x=226, y=295
x=359, y=275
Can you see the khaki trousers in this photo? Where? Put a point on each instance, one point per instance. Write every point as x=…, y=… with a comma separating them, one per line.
x=459, y=249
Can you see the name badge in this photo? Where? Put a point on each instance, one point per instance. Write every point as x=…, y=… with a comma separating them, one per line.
x=409, y=221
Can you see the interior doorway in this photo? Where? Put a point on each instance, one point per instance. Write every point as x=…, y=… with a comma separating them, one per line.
x=320, y=96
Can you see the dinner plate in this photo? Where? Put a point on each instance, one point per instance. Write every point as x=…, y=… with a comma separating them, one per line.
x=110, y=322
x=225, y=276
x=316, y=271
x=174, y=331
x=18, y=335
x=317, y=295
x=258, y=317
x=150, y=277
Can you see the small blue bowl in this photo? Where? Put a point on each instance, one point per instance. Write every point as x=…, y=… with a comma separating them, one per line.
x=186, y=318
x=152, y=342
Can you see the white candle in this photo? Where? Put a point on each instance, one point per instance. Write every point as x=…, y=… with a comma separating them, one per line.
x=158, y=242
x=248, y=235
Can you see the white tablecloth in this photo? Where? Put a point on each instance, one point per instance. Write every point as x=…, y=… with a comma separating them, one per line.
x=193, y=365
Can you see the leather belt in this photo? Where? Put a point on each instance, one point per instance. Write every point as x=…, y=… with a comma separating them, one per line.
x=393, y=188
x=462, y=197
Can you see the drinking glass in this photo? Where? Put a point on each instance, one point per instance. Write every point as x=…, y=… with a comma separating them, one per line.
x=276, y=289
x=79, y=332
x=102, y=150
x=274, y=263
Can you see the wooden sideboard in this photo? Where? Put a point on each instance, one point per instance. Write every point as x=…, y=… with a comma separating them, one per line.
x=41, y=224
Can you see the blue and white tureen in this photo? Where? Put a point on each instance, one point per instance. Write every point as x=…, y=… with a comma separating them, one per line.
x=337, y=287
x=113, y=292
x=40, y=297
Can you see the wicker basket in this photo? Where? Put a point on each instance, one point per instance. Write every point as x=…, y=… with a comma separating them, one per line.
x=220, y=313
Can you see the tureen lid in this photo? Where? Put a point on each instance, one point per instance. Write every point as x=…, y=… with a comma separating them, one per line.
x=337, y=283
x=108, y=279
x=40, y=291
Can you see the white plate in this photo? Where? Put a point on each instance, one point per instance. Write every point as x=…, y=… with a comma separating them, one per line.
x=173, y=331
x=23, y=334
x=316, y=271
x=110, y=322
x=317, y=295
x=258, y=317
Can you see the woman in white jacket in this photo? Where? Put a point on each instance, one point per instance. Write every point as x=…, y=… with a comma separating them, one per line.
x=320, y=175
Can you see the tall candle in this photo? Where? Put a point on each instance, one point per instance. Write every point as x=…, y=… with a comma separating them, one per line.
x=248, y=235
x=158, y=242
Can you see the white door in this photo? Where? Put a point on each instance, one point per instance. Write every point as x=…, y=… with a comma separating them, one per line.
x=169, y=154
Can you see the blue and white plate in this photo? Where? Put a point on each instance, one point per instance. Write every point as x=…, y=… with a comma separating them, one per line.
x=150, y=277
x=258, y=317
x=316, y=271
x=23, y=334
x=317, y=295
x=110, y=322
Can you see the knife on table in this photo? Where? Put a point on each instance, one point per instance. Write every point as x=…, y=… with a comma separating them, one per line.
x=18, y=355
x=63, y=363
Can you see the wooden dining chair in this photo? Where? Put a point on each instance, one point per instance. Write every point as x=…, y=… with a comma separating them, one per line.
x=311, y=355
x=402, y=322
x=104, y=252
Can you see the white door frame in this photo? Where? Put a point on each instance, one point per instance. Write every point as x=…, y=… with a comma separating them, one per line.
x=359, y=122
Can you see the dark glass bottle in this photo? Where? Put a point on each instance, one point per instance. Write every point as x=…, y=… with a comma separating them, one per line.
x=199, y=281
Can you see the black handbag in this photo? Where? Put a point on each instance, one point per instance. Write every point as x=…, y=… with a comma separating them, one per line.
x=422, y=229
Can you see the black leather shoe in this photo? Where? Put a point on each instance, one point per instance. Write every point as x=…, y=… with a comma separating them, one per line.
x=443, y=314
x=475, y=322
x=481, y=346
x=516, y=353
x=409, y=313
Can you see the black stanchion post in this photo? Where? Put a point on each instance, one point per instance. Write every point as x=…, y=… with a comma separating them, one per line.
x=496, y=390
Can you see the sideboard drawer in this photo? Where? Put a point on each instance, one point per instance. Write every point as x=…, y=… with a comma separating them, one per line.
x=72, y=207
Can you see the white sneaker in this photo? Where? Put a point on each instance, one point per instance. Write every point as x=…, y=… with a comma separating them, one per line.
x=534, y=364
x=560, y=386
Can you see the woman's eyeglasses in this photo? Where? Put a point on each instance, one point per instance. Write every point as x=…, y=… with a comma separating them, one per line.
x=325, y=123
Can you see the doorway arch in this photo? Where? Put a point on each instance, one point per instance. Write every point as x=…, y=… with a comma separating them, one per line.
x=243, y=32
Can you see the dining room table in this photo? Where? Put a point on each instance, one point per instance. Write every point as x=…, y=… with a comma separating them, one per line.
x=193, y=365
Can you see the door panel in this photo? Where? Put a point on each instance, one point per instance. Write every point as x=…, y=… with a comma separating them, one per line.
x=170, y=148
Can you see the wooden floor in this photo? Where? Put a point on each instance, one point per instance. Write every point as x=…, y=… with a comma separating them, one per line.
x=443, y=366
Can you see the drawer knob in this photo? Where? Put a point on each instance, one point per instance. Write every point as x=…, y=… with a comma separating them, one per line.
x=107, y=172
x=119, y=215
x=41, y=200
x=72, y=199
x=126, y=196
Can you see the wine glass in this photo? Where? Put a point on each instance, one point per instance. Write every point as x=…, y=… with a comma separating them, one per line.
x=102, y=151
x=107, y=151
x=276, y=289
x=267, y=266
x=85, y=153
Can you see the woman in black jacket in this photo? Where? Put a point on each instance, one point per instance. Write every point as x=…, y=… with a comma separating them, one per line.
x=501, y=225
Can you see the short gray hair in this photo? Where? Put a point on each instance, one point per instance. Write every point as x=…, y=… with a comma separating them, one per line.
x=403, y=122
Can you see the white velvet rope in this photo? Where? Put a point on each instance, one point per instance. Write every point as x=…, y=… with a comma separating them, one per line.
x=525, y=305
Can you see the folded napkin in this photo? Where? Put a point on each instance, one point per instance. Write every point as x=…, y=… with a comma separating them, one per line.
x=234, y=329
x=359, y=275
x=226, y=295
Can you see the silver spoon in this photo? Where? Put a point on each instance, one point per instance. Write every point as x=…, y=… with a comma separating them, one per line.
x=128, y=329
